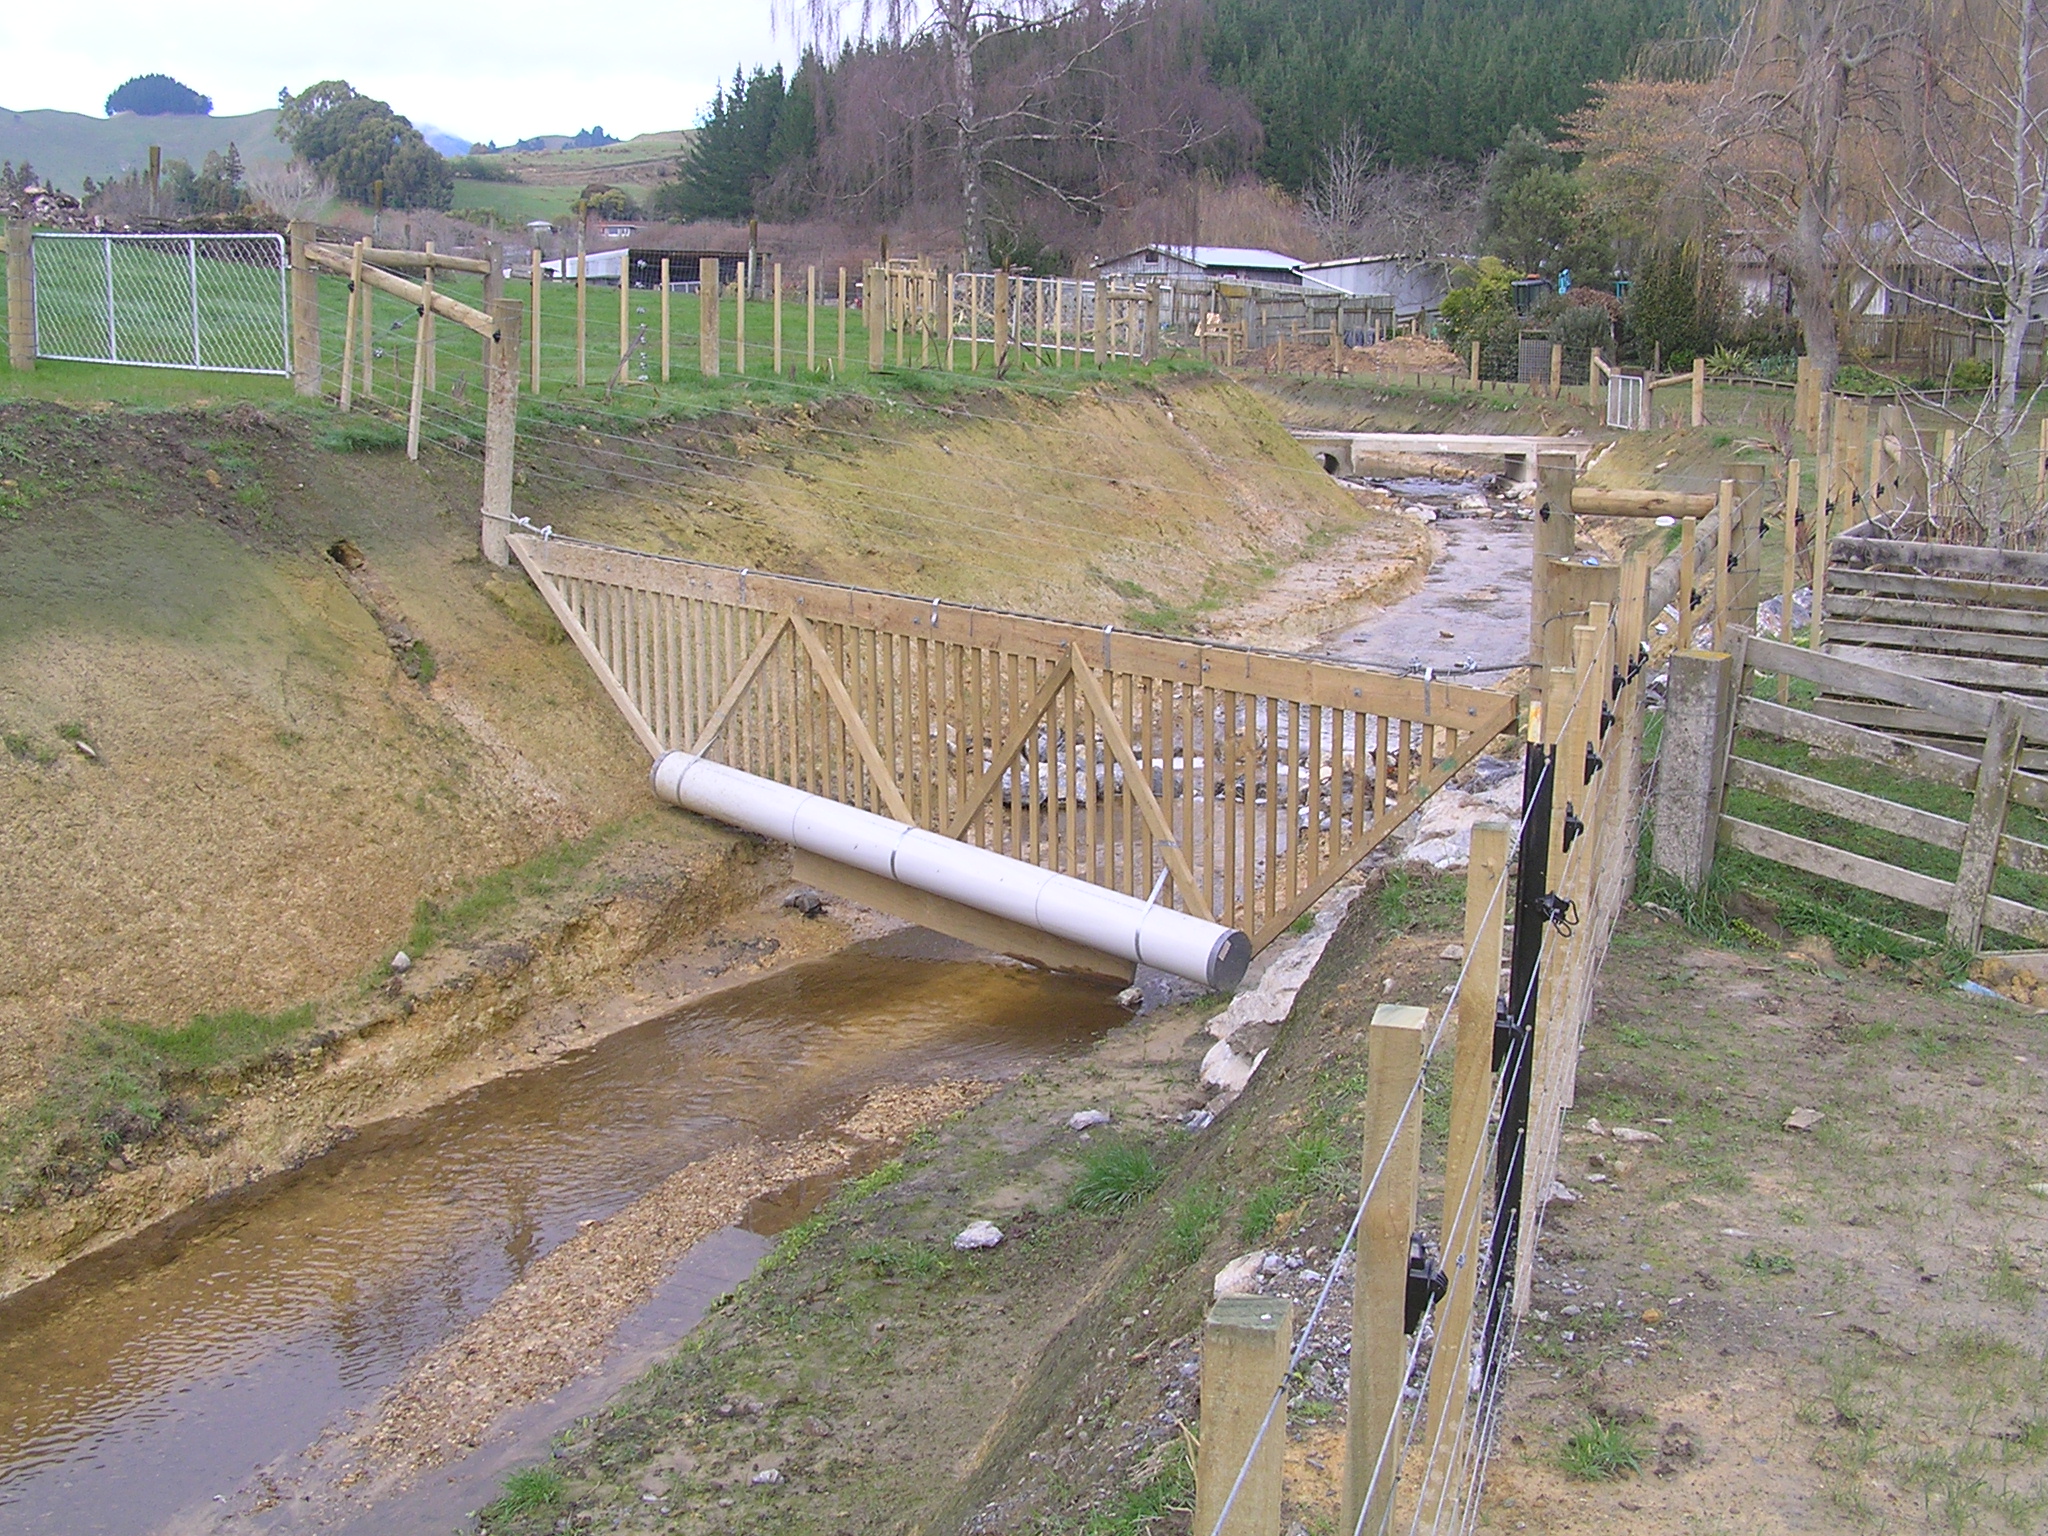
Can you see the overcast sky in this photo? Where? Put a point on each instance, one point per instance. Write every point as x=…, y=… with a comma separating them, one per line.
x=501, y=72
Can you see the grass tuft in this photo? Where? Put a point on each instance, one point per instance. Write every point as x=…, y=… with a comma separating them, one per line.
x=1115, y=1177
x=529, y=1491
x=1191, y=1222
x=363, y=434
x=1600, y=1451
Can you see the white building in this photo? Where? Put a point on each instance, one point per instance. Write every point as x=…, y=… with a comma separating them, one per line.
x=1236, y=263
x=1415, y=284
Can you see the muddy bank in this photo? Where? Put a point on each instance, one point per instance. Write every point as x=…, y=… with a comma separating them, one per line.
x=891, y=1382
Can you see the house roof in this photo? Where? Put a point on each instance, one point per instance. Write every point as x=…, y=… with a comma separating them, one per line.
x=1367, y=261
x=1221, y=256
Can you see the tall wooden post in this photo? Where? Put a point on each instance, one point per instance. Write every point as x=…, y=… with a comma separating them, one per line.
x=739, y=334
x=1002, y=309
x=1379, y=1293
x=625, y=310
x=305, y=297
x=1245, y=1345
x=1699, y=393
x=1594, y=363
x=1823, y=535
x=1100, y=294
x=433, y=337
x=1725, y=532
x=1556, y=369
x=582, y=312
x=494, y=288
x=1556, y=536
x=777, y=326
x=1486, y=902
x=367, y=346
x=667, y=331
x=1148, y=351
x=1475, y=364
x=810, y=320
x=1746, y=581
x=842, y=320
x=533, y=319
x=501, y=423
x=21, y=296
x=422, y=339
x=358, y=290
x=1789, y=578
x=707, y=316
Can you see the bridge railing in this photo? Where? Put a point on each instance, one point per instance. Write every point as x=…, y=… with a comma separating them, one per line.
x=1235, y=784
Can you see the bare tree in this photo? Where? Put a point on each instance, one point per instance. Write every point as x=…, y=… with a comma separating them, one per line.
x=1358, y=206
x=1338, y=197
x=1795, y=134
x=1062, y=99
x=293, y=190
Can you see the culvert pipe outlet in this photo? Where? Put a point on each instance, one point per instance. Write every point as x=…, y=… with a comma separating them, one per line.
x=1082, y=913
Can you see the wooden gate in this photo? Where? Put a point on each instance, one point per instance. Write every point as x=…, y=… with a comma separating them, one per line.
x=1235, y=784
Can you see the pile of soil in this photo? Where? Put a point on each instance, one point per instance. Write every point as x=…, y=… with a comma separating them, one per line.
x=1405, y=354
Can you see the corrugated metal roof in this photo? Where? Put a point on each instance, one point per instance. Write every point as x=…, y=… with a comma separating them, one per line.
x=1220, y=256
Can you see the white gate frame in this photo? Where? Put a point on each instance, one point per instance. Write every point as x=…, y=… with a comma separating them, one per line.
x=192, y=242
x=1625, y=402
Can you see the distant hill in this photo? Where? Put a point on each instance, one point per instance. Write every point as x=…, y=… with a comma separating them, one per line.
x=446, y=142
x=67, y=147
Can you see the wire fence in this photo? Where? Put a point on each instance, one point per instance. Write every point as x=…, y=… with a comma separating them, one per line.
x=217, y=303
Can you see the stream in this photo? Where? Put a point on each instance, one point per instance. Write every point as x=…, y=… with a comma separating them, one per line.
x=142, y=1384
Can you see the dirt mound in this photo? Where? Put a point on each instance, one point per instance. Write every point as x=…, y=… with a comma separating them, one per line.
x=1405, y=354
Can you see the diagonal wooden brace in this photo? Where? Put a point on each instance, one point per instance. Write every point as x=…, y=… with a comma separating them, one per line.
x=849, y=716
x=979, y=791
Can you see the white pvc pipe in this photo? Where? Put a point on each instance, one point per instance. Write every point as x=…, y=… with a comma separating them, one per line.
x=1106, y=920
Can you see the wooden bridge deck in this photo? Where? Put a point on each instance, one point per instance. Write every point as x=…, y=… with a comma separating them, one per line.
x=1239, y=785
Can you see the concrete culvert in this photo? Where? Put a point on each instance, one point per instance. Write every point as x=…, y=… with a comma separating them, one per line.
x=1328, y=461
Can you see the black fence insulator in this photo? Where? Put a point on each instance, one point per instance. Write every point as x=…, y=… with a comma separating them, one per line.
x=1641, y=659
x=1763, y=526
x=1505, y=1033
x=1617, y=683
x=1561, y=912
x=1543, y=512
x=1427, y=1282
x=1594, y=763
x=1695, y=594
x=1574, y=824
x=1606, y=721
x=1731, y=559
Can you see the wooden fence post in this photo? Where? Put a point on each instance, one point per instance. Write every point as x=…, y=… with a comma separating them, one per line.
x=1245, y=1344
x=422, y=342
x=874, y=302
x=739, y=333
x=1556, y=536
x=1594, y=362
x=775, y=347
x=357, y=292
x=1556, y=369
x=1987, y=822
x=305, y=296
x=1149, y=349
x=501, y=425
x=1699, y=391
x=1475, y=364
x=625, y=310
x=666, y=331
x=1379, y=1292
x=842, y=320
x=1099, y=294
x=810, y=319
x=1002, y=319
x=367, y=342
x=533, y=275
x=433, y=331
x=1724, y=534
x=582, y=313
x=494, y=290
x=1789, y=577
x=1823, y=535
x=1486, y=900
x=21, y=296
x=1699, y=704
x=707, y=316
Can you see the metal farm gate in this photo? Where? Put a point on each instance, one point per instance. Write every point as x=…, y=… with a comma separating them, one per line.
x=1626, y=410
x=213, y=302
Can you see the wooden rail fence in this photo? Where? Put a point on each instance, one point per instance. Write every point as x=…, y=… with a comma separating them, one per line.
x=1236, y=784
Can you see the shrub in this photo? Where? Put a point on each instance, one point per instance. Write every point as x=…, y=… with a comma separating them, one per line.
x=1972, y=373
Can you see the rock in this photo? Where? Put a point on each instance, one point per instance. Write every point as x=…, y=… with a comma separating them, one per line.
x=1560, y=1193
x=1223, y=1068
x=767, y=1477
x=1634, y=1137
x=85, y=751
x=1087, y=1119
x=1311, y=1277
x=1803, y=1119
x=1199, y=1120
x=401, y=963
x=1240, y=1276
x=1442, y=833
x=1452, y=952
x=978, y=1234
x=807, y=903
x=1132, y=998
x=1594, y=1127
x=1272, y=1264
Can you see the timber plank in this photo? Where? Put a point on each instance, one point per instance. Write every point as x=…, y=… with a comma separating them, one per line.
x=1944, y=589
x=2012, y=566
x=1872, y=609
x=2016, y=917
x=1846, y=740
x=1867, y=679
x=1851, y=805
x=1837, y=864
x=1925, y=639
x=1970, y=671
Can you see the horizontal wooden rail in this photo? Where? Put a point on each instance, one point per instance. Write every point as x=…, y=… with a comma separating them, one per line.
x=413, y=261
x=1873, y=875
x=1592, y=501
x=413, y=293
x=1247, y=782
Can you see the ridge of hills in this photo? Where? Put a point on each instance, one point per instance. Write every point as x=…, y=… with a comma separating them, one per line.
x=67, y=147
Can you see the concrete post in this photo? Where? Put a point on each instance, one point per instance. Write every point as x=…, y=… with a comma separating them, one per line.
x=1699, y=707
x=21, y=297
x=501, y=423
x=1379, y=1291
x=305, y=295
x=1245, y=1345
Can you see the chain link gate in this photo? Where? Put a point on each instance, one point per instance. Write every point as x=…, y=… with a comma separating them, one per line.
x=218, y=303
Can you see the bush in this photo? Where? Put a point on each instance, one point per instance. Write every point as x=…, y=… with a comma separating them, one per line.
x=1972, y=373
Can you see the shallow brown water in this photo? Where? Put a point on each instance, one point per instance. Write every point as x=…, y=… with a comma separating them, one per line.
x=142, y=1383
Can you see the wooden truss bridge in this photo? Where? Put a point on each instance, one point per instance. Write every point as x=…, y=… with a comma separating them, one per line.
x=1234, y=784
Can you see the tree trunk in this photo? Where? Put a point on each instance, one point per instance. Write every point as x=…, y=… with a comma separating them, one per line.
x=968, y=145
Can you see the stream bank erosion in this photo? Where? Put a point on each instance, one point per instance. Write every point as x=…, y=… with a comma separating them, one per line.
x=269, y=721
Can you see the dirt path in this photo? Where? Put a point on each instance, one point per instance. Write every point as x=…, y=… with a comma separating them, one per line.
x=1836, y=1329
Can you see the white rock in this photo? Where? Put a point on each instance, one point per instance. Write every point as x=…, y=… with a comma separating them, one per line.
x=1629, y=1134
x=1560, y=1193
x=1087, y=1119
x=1200, y=1120
x=1131, y=997
x=1594, y=1127
x=1271, y=998
x=1441, y=835
x=1223, y=1068
x=401, y=963
x=1272, y=1264
x=1239, y=1277
x=767, y=1477
x=1452, y=951
x=978, y=1234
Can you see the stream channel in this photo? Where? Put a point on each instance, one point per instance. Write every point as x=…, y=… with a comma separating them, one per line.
x=144, y=1384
